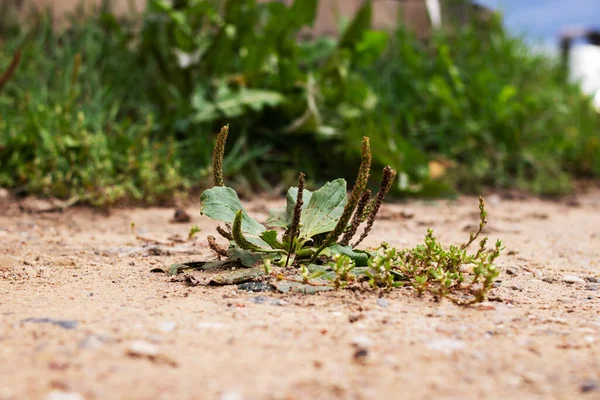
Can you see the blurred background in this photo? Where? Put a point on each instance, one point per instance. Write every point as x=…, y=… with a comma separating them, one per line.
x=113, y=101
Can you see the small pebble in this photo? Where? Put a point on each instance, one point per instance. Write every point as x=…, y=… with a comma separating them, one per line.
x=167, y=326
x=256, y=287
x=180, y=216
x=142, y=348
x=572, y=279
x=446, y=346
x=92, y=342
x=8, y=262
x=548, y=279
x=60, y=395
x=209, y=325
x=591, y=279
x=361, y=354
x=361, y=341
x=66, y=324
x=511, y=271
x=592, y=287
x=231, y=395
x=271, y=301
x=382, y=303
x=259, y=299
x=589, y=386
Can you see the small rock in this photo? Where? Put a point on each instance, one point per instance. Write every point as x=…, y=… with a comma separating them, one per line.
x=592, y=287
x=143, y=349
x=511, y=271
x=515, y=287
x=407, y=214
x=446, y=346
x=278, y=302
x=271, y=301
x=66, y=324
x=361, y=341
x=382, y=303
x=360, y=354
x=140, y=348
x=231, y=395
x=167, y=326
x=92, y=342
x=60, y=395
x=589, y=386
x=352, y=318
x=8, y=262
x=591, y=279
x=209, y=325
x=180, y=216
x=572, y=279
x=256, y=287
x=548, y=279
x=259, y=299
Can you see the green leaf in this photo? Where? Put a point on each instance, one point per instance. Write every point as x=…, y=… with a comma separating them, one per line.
x=249, y=258
x=270, y=237
x=360, y=257
x=222, y=203
x=360, y=24
x=233, y=104
x=304, y=12
x=255, y=99
x=325, y=207
x=282, y=217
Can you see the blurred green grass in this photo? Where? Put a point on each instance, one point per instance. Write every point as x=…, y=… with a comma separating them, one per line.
x=113, y=109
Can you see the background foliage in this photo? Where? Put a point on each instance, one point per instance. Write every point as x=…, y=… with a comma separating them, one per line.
x=110, y=109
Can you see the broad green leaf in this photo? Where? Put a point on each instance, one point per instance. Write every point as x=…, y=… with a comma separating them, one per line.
x=248, y=258
x=221, y=203
x=282, y=217
x=324, y=209
x=277, y=217
x=270, y=237
x=361, y=258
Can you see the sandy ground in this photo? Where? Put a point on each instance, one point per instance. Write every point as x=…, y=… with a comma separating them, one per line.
x=540, y=338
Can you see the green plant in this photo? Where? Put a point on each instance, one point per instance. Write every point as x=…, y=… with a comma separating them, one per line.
x=71, y=123
x=443, y=272
x=310, y=251
x=313, y=221
x=509, y=119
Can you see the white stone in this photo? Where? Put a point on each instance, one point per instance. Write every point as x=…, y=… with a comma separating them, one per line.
x=143, y=348
x=60, y=395
x=572, y=279
x=446, y=346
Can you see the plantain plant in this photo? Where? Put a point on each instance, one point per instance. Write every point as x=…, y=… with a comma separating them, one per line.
x=315, y=225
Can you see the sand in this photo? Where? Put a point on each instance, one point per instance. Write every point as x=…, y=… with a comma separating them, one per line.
x=82, y=316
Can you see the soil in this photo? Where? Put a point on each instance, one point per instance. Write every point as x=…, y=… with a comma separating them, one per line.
x=82, y=316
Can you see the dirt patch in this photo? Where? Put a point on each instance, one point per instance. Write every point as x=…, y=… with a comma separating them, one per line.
x=82, y=316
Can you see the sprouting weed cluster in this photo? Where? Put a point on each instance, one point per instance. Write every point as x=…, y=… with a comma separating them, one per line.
x=431, y=268
x=318, y=227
